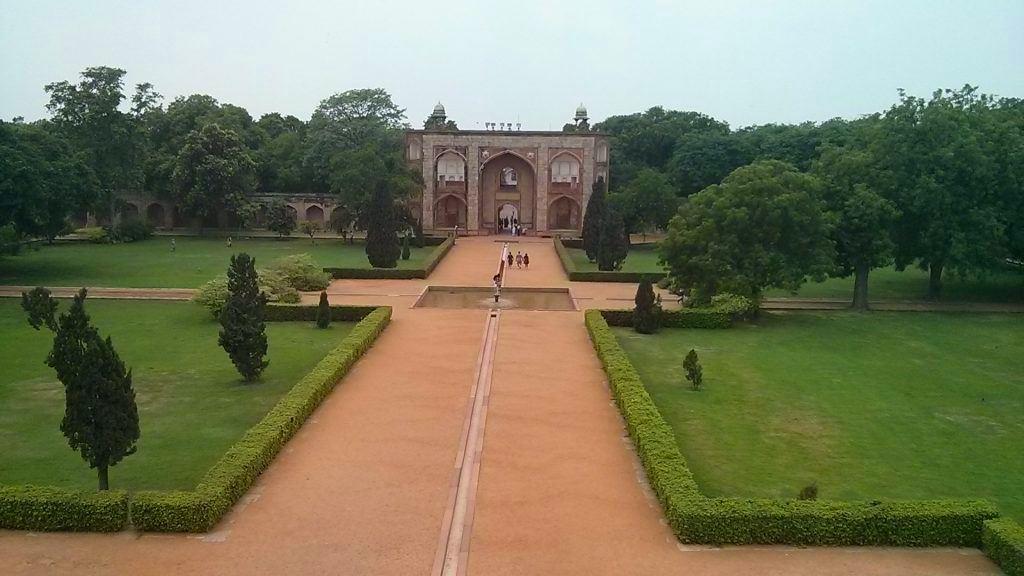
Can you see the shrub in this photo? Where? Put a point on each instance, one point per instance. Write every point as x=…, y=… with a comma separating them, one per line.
x=212, y=295
x=235, y=472
x=405, y=247
x=293, y=313
x=46, y=508
x=647, y=313
x=694, y=372
x=323, y=312
x=809, y=492
x=96, y=235
x=739, y=307
x=301, y=273
x=131, y=230
x=433, y=259
x=1003, y=541
x=277, y=288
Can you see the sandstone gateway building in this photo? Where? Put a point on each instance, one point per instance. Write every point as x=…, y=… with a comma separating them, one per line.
x=480, y=180
x=474, y=179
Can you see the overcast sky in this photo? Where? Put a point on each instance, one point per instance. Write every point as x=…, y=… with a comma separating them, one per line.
x=521, y=60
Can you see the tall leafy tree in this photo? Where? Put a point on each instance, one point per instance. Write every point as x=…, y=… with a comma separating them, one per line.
x=592, y=218
x=214, y=171
x=653, y=199
x=101, y=419
x=42, y=181
x=764, y=226
x=243, y=331
x=382, y=248
x=88, y=114
x=279, y=218
x=945, y=182
x=863, y=218
x=650, y=139
x=354, y=142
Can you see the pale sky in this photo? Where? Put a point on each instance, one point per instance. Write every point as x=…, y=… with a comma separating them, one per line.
x=533, y=61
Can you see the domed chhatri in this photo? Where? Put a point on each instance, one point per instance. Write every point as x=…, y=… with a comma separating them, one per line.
x=439, y=110
x=581, y=113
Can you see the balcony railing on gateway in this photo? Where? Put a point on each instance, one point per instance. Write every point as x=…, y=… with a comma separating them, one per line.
x=564, y=186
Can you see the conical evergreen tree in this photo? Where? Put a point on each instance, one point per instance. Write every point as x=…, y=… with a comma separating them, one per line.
x=693, y=370
x=382, y=248
x=405, y=247
x=101, y=419
x=243, y=334
x=592, y=219
x=323, y=312
x=647, y=313
x=612, y=242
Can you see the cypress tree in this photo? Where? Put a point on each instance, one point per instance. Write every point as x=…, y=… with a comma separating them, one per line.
x=647, y=313
x=101, y=419
x=612, y=243
x=382, y=248
x=593, y=218
x=323, y=312
x=694, y=372
x=243, y=334
x=405, y=247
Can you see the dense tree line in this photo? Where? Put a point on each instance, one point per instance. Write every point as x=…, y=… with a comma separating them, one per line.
x=102, y=144
x=937, y=183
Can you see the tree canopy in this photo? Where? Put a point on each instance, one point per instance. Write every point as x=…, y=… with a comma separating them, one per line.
x=764, y=226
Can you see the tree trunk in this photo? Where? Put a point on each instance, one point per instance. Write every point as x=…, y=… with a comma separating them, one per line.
x=860, y=287
x=935, y=280
x=104, y=477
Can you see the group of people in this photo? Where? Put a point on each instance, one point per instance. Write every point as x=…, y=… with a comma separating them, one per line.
x=521, y=260
x=512, y=225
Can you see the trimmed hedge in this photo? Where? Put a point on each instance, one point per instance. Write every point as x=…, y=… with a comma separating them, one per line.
x=47, y=508
x=576, y=275
x=429, y=264
x=698, y=519
x=1003, y=541
x=681, y=318
x=307, y=312
x=234, y=473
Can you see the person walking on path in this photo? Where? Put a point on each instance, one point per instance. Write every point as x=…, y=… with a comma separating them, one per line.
x=519, y=259
x=510, y=259
x=526, y=260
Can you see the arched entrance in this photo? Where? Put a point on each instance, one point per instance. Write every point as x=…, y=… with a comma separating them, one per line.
x=563, y=214
x=315, y=214
x=155, y=215
x=449, y=212
x=507, y=179
x=508, y=216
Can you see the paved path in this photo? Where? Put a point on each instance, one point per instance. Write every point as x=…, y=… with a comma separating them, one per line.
x=367, y=484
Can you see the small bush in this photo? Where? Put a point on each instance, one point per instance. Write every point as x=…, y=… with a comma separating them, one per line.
x=739, y=307
x=131, y=230
x=405, y=247
x=96, y=235
x=809, y=492
x=694, y=372
x=277, y=287
x=301, y=273
x=212, y=295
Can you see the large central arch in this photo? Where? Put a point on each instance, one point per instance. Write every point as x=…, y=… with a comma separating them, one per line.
x=508, y=178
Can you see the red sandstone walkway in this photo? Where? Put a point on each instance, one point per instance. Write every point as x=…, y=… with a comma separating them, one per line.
x=365, y=486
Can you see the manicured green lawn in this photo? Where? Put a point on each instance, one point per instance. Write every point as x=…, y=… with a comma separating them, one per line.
x=640, y=259
x=192, y=403
x=151, y=264
x=879, y=405
x=912, y=284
